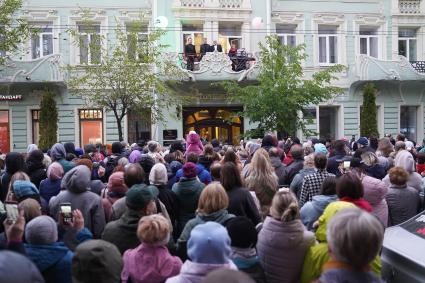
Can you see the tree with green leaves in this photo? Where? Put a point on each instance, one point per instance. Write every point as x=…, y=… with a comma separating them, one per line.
x=129, y=74
x=13, y=31
x=276, y=102
x=368, y=120
x=48, y=120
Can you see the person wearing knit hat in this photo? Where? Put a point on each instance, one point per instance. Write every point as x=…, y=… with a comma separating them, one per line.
x=320, y=148
x=53, y=258
x=52, y=185
x=188, y=189
x=75, y=185
x=140, y=201
x=158, y=177
x=362, y=142
x=115, y=190
x=147, y=163
x=96, y=261
x=25, y=189
x=208, y=249
x=17, y=268
x=243, y=236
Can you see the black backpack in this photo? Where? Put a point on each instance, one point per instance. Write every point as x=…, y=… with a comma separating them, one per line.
x=110, y=165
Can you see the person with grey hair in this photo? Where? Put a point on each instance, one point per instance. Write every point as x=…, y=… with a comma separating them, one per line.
x=354, y=240
x=308, y=169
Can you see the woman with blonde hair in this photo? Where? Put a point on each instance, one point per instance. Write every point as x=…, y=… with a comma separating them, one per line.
x=385, y=149
x=20, y=175
x=262, y=180
x=283, y=240
x=372, y=166
x=212, y=206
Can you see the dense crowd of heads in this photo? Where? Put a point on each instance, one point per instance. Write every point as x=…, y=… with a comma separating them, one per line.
x=265, y=210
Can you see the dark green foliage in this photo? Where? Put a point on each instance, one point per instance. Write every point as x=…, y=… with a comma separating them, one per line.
x=368, y=121
x=283, y=91
x=48, y=120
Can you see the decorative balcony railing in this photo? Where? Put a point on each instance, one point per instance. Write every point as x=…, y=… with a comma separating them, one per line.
x=419, y=66
x=213, y=4
x=409, y=6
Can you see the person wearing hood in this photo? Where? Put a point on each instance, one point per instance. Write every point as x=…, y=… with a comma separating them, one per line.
x=96, y=185
x=140, y=201
x=115, y=190
x=175, y=166
x=35, y=167
x=296, y=165
x=308, y=169
x=58, y=153
x=22, y=190
x=96, y=261
x=339, y=154
x=283, y=240
x=374, y=191
x=212, y=206
x=194, y=144
x=318, y=254
x=188, y=189
x=31, y=147
x=135, y=156
x=51, y=186
x=216, y=145
x=53, y=258
x=312, y=210
x=17, y=268
x=75, y=185
x=405, y=160
x=241, y=202
x=14, y=162
x=158, y=178
x=243, y=236
x=208, y=249
x=158, y=264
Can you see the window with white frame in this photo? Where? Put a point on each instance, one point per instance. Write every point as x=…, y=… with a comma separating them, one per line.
x=195, y=31
x=407, y=43
x=136, y=36
x=90, y=44
x=369, y=41
x=328, y=45
x=230, y=33
x=42, y=40
x=287, y=34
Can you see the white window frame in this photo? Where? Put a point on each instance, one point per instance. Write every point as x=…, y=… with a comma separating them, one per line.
x=89, y=36
x=139, y=35
x=327, y=37
x=368, y=44
x=408, y=39
x=40, y=39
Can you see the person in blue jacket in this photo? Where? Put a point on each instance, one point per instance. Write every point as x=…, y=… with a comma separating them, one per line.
x=52, y=258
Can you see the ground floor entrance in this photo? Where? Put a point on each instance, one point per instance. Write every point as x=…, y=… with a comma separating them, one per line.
x=4, y=131
x=221, y=123
x=328, y=122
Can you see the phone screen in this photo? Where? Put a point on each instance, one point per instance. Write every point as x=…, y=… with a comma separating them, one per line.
x=347, y=164
x=66, y=211
x=12, y=211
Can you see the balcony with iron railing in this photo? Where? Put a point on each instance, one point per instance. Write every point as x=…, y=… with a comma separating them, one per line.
x=419, y=66
x=218, y=4
x=410, y=7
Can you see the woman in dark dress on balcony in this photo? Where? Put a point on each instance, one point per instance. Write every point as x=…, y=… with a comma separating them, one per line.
x=189, y=54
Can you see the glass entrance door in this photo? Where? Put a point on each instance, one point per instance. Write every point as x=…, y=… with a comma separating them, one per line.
x=221, y=133
x=4, y=131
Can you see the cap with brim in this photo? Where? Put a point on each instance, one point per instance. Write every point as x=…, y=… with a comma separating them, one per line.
x=139, y=196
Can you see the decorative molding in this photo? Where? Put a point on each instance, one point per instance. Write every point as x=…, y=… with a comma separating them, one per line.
x=370, y=19
x=329, y=19
x=286, y=17
x=39, y=15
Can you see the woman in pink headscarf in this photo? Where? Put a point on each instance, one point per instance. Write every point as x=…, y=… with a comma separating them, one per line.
x=193, y=143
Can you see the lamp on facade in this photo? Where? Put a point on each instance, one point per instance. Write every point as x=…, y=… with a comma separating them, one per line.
x=161, y=22
x=257, y=22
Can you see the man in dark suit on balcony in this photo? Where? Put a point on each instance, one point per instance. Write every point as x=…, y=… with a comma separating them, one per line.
x=205, y=47
x=216, y=47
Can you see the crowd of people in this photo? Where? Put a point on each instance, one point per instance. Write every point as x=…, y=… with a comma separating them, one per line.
x=264, y=211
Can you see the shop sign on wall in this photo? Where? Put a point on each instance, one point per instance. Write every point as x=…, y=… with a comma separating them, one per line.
x=10, y=97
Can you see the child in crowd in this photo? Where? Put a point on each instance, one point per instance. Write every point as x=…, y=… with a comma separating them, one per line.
x=151, y=260
x=354, y=238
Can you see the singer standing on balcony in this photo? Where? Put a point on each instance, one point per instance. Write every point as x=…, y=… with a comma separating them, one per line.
x=216, y=47
x=189, y=54
x=205, y=47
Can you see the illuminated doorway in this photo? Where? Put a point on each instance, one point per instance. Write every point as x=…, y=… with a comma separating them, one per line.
x=4, y=131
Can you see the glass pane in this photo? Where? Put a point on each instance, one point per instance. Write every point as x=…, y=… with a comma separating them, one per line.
x=412, y=49
x=91, y=132
x=288, y=29
x=333, y=54
x=139, y=125
x=322, y=49
x=402, y=48
x=236, y=135
x=408, y=122
x=363, y=45
x=323, y=29
x=407, y=32
x=35, y=46
x=282, y=40
x=95, y=49
x=373, y=47
x=84, y=49
x=292, y=41
x=47, y=44
x=35, y=132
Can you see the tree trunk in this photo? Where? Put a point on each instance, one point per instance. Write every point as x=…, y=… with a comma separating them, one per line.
x=119, y=125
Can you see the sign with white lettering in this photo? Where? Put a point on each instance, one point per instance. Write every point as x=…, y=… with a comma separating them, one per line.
x=10, y=97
